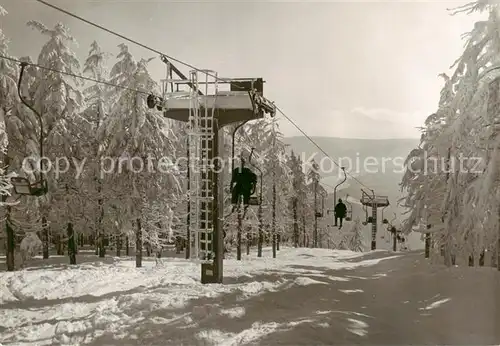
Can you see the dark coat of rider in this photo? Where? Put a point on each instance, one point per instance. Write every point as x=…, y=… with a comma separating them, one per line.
x=340, y=209
x=244, y=180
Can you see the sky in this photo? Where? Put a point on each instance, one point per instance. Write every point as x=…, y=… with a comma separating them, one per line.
x=338, y=69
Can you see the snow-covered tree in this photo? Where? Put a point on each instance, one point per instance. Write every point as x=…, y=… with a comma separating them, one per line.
x=313, y=178
x=57, y=98
x=8, y=100
x=460, y=200
x=280, y=175
x=136, y=135
x=16, y=142
x=298, y=199
x=93, y=115
x=354, y=237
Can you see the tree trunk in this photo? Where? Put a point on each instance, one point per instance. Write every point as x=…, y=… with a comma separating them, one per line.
x=447, y=253
x=497, y=249
x=188, y=217
x=59, y=245
x=96, y=241
x=100, y=231
x=118, y=245
x=492, y=110
x=77, y=242
x=10, y=234
x=268, y=236
x=304, y=231
x=238, y=236
x=278, y=241
x=178, y=244
x=315, y=232
x=249, y=242
x=138, y=244
x=273, y=225
x=71, y=243
x=295, y=224
x=45, y=236
x=127, y=246
x=471, y=260
x=102, y=245
x=11, y=240
x=447, y=247
x=260, y=239
x=427, y=245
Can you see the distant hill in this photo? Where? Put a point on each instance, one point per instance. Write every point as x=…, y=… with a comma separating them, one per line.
x=377, y=163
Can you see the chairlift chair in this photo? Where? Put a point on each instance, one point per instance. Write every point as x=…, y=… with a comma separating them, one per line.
x=384, y=220
x=22, y=186
x=154, y=101
x=322, y=212
x=369, y=219
x=366, y=222
x=254, y=199
x=390, y=224
x=349, y=209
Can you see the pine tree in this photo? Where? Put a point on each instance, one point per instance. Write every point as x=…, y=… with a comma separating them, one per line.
x=460, y=200
x=138, y=134
x=57, y=98
x=9, y=125
x=355, y=240
x=313, y=176
x=94, y=115
x=299, y=202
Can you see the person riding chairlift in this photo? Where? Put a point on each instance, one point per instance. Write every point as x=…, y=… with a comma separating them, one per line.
x=245, y=182
x=340, y=212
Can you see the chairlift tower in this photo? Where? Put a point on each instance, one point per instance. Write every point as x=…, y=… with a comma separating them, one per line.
x=207, y=109
x=375, y=202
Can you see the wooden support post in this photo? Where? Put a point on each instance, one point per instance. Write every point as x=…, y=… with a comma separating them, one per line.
x=374, y=227
x=315, y=234
x=427, y=245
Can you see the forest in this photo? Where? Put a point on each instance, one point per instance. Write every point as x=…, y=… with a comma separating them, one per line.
x=451, y=181
x=96, y=123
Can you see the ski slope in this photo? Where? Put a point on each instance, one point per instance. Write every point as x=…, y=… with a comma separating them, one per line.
x=74, y=305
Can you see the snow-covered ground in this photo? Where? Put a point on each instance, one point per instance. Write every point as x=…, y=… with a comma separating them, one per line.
x=54, y=304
